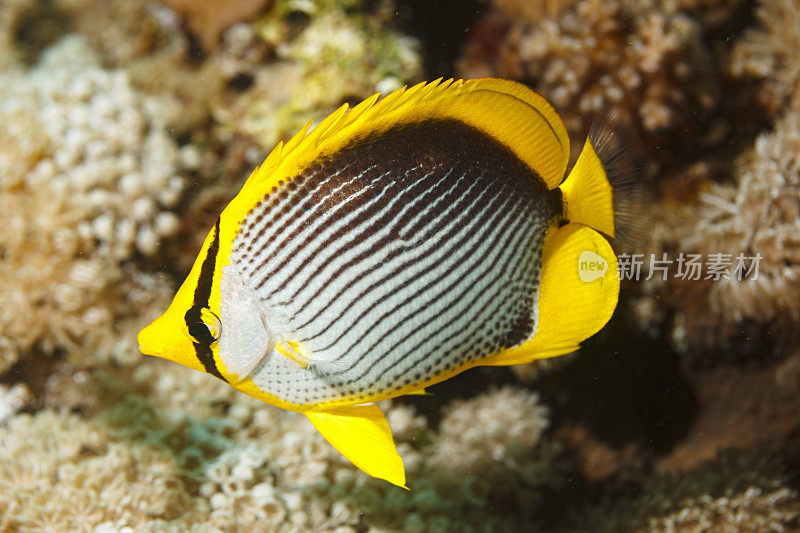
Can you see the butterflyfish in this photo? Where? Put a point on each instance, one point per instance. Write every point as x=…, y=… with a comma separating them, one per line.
x=399, y=243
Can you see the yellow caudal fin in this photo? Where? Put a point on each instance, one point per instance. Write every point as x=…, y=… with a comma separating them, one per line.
x=607, y=188
x=577, y=294
x=362, y=434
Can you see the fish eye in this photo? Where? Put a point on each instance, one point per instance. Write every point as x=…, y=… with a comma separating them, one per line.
x=202, y=325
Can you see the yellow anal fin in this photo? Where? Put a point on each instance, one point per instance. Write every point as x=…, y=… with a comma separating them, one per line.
x=419, y=392
x=362, y=434
x=578, y=292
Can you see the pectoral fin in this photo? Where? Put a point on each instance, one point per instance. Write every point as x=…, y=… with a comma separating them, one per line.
x=578, y=292
x=362, y=434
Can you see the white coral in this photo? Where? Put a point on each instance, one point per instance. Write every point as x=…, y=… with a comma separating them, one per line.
x=256, y=467
x=61, y=473
x=12, y=399
x=772, y=51
x=497, y=427
x=90, y=178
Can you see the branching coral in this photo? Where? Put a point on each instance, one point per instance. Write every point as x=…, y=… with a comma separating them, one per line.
x=637, y=54
x=772, y=52
x=758, y=217
x=90, y=174
x=651, y=60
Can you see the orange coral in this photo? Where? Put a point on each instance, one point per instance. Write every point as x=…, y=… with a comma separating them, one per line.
x=207, y=19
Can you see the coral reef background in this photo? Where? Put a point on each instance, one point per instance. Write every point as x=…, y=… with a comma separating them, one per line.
x=126, y=125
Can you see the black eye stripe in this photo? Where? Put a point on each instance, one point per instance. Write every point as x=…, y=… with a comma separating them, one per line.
x=193, y=316
x=206, y=279
x=198, y=330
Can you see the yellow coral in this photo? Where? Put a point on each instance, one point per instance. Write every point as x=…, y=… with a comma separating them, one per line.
x=338, y=55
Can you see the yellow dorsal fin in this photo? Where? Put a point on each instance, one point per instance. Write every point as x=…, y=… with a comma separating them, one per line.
x=577, y=294
x=292, y=143
x=508, y=112
x=362, y=434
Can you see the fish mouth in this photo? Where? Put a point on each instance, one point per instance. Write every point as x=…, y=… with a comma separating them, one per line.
x=150, y=351
x=148, y=344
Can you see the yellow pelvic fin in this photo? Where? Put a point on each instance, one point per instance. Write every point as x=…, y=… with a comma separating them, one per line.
x=588, y=195
x=578, y=292
x=419, y=392
x=362, y=434
x=291, y=350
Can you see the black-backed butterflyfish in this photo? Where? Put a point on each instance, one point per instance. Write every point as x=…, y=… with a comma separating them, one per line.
x=401, y=242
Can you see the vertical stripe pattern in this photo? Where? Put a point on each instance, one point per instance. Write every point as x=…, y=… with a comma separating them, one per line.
x=396, y=259
x=193, y=317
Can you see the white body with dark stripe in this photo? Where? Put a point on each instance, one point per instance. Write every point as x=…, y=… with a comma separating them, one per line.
x=396, y=259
